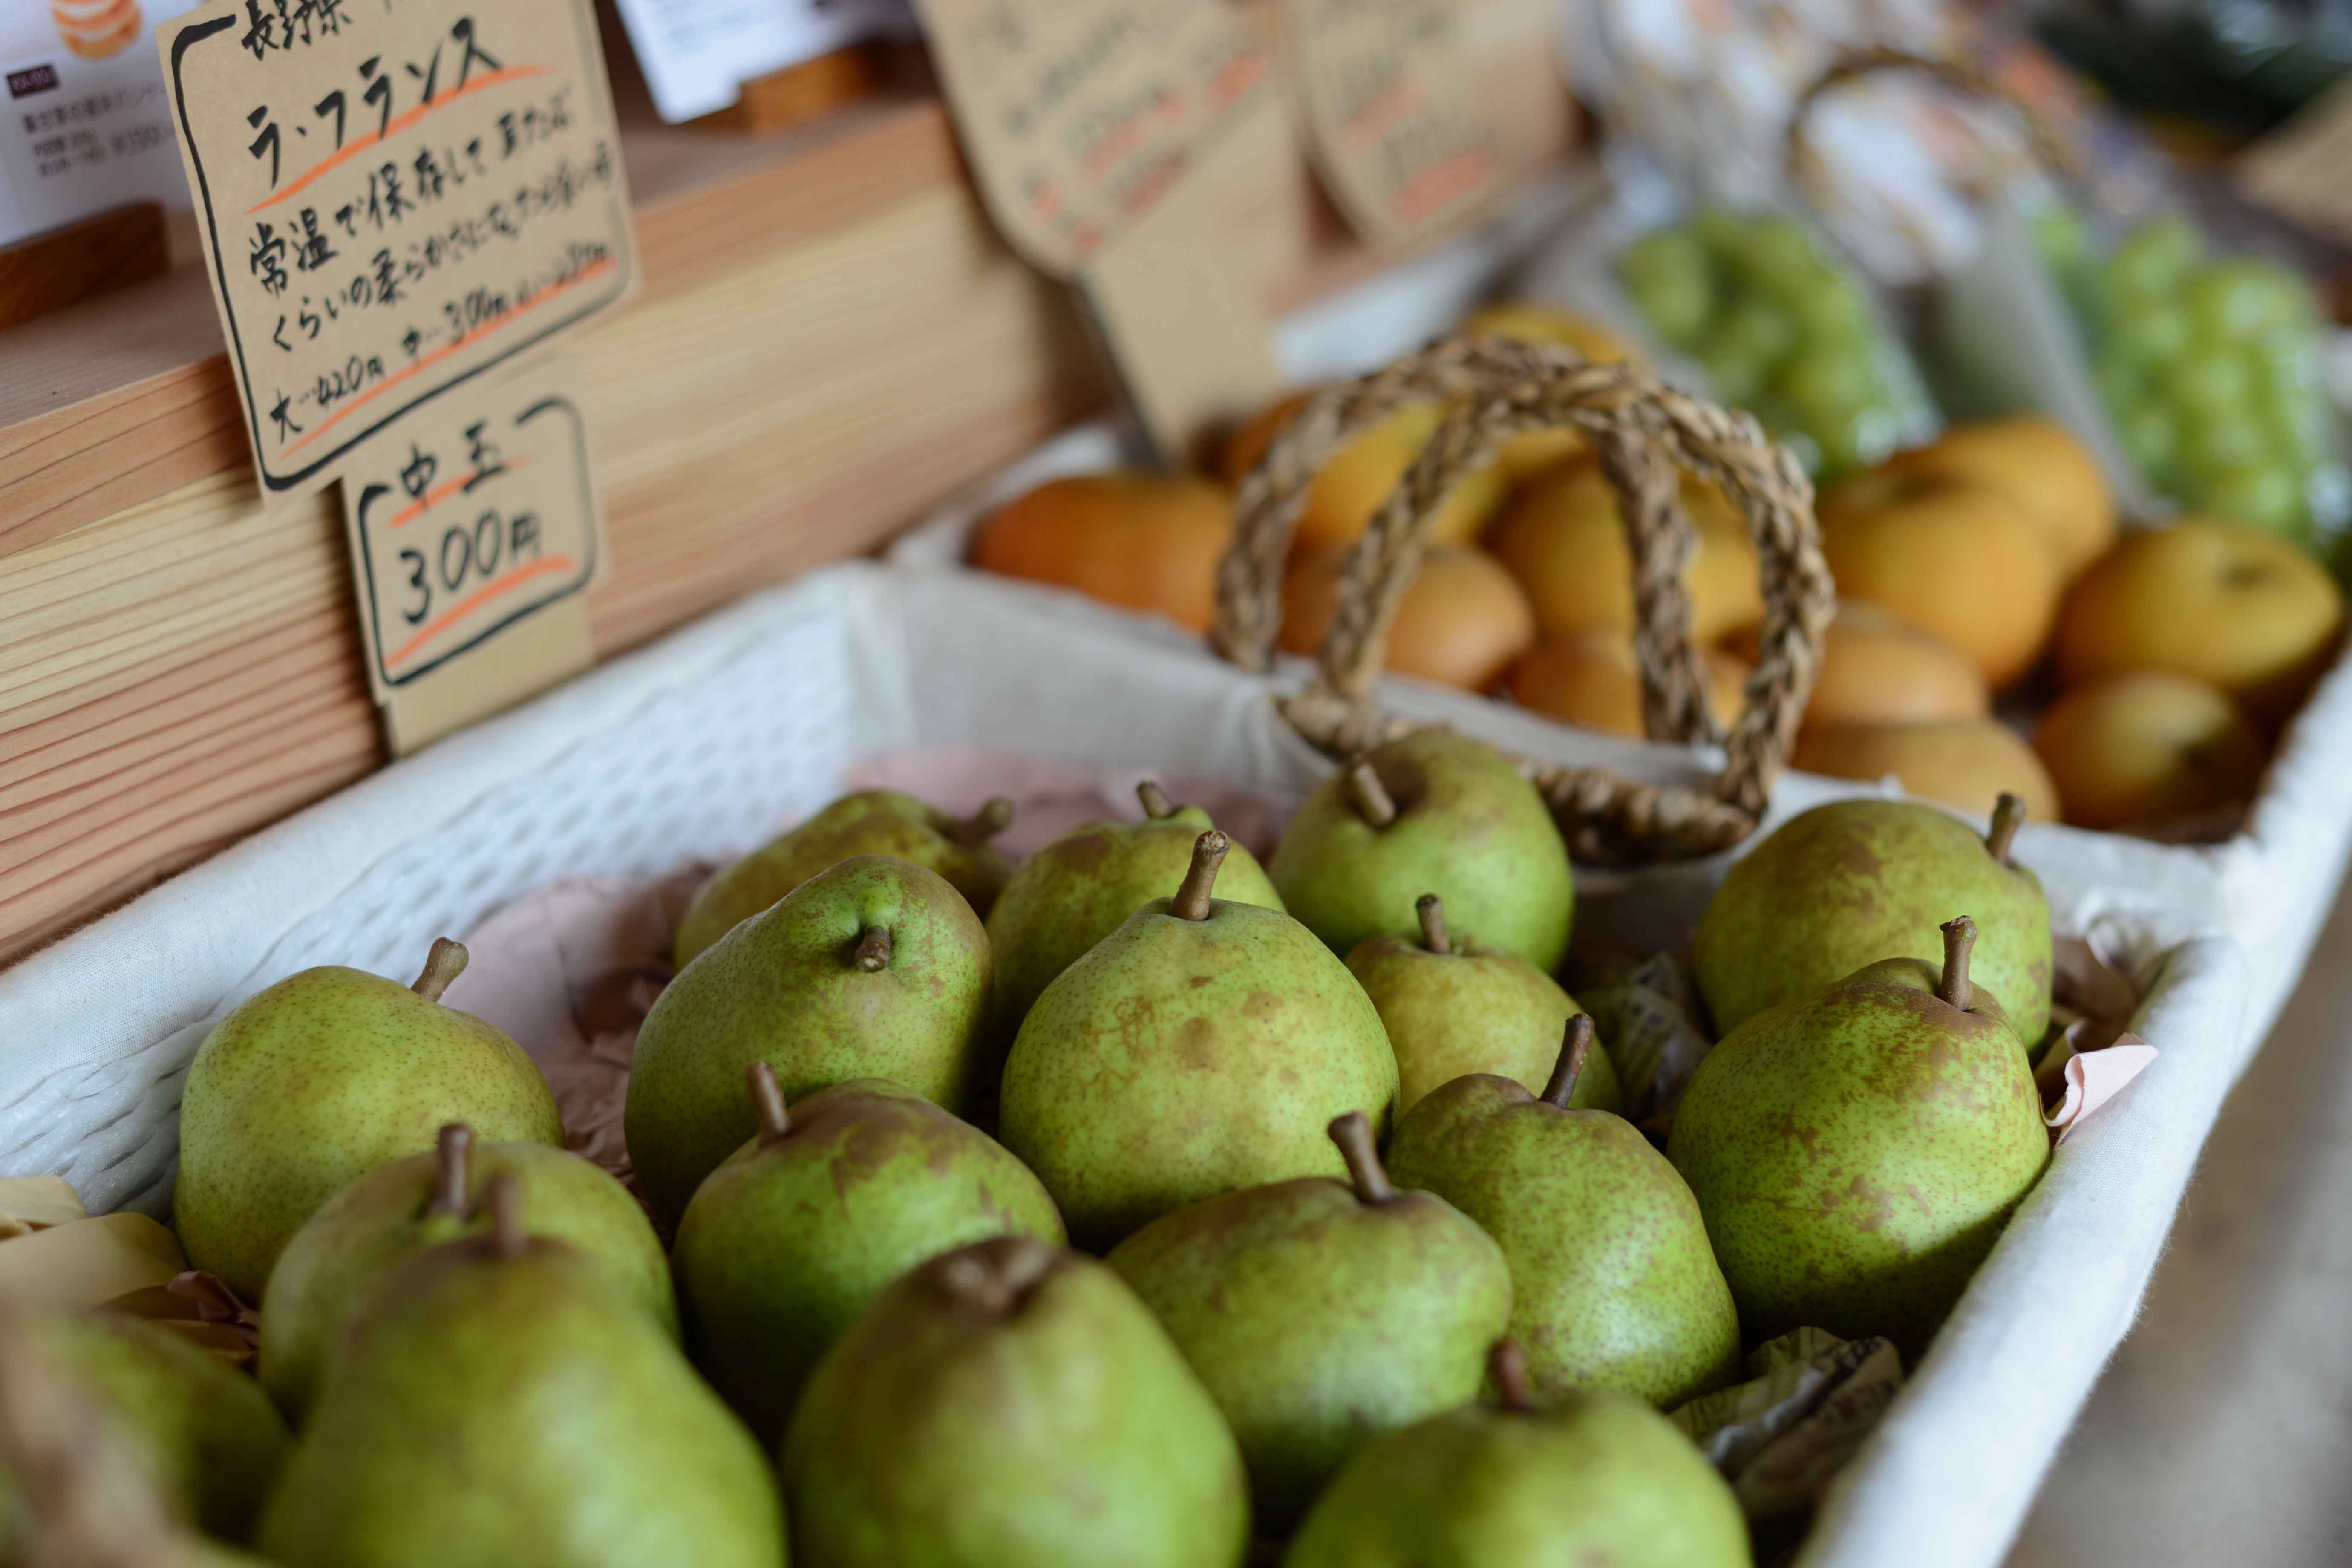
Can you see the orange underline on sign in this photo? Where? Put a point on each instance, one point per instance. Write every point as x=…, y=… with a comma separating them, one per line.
x=442, y=492
x=395, y=127
x=1439, y=183
x=494, y=588
x=476, y=335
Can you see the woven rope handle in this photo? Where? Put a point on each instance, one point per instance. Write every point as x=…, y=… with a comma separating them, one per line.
x=1646, y=435
x=2057, y=155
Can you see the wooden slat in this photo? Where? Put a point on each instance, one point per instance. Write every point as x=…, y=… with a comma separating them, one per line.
x=96, y=256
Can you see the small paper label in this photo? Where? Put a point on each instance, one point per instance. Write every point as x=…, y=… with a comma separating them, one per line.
x=475, y=529
x=1105, y=136
x=1389, y=93
x=393, y=197
x=2298, y=170
x=1080, y=115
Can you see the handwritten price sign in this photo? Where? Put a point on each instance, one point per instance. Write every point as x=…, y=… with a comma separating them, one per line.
x=394, y=196
x=473, y=530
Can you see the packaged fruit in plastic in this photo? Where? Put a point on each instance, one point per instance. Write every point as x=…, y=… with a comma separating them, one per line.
x=1783, y=330
x=2210, y=368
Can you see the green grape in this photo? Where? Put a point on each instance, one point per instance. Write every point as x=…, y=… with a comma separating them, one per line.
x=2265, y=496
x=2210, y=447
x=2149, y=263
x=1723, y=232
x=1669, y=278
x=2120, y=385
x=2060, y=236
x=2231, y=300
x=1757, y=330
x=1736, y=378
x=2155, y=335
x=2208, y=385
x=1835, y=317
x=2148, y=432
x=1777, y=259
x=1827, y=389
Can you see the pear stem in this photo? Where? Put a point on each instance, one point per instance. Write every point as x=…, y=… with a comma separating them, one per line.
x=443, y=965
x=872, y=952
x=1506, y=1368
x=1960, y=936
x=503, y=1198
x=1192, y=899
x=2008, y=816
x=982, y=825
x=995, y=1277
x=1156, y=804
x=767, y=1104
x=1369, y=796
x=456, y=1144
x=1431, y=909
x=1353, y=1133
x=1575, y=1046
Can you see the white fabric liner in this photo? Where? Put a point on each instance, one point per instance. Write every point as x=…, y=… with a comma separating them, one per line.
x=693, y=746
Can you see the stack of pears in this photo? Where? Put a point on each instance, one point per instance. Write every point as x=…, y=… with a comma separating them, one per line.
x=869, y=1127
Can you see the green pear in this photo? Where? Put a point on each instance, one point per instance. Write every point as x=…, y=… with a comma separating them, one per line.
x=1452, y=1006
x=319, y=1079
x=1200, y=1047
x=1611, y=1282
x=1590, y=1476
x=202, y=1433
x=1855, y=881
x=1432, y=812
x=870, y=822
x=499, y=1401
x=837, y=1196
x=1319, y=1313
x=874, y=968
x=1009, y=1404
x=1857, y=1154
x=1075, y=892
x=397, y=1211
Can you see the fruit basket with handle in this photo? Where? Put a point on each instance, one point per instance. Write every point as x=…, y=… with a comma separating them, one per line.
x=692, y=749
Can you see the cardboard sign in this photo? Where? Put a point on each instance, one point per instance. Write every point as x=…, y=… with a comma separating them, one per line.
x=1098, y=130
x=2298, y=170
x=394, y=197
x=476, y=529
x=1389, y=91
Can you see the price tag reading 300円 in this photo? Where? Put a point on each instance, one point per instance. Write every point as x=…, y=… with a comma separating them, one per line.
x=394, y=196
x=474, y=532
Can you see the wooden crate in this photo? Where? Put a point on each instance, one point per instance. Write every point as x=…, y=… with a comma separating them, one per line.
x=831, y=338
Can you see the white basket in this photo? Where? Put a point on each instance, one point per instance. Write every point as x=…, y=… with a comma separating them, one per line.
x=694, y=747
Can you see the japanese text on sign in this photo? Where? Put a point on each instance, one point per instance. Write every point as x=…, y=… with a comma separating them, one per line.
x=395, y=196
x=1080, y=116
x=477, y=513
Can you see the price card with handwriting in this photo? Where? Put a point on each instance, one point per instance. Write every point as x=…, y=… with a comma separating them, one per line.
x=394, y=196
x=1395, y=117
x=474, y=532
x=1100, y=131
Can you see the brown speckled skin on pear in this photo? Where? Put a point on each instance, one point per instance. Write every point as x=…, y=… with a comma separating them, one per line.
x=782, y=988
x=317, y=1080
x=1857, y=1156
x=1612, y=1281
x=1317, y=1319
x=1855, y=881
x=1180, y=1059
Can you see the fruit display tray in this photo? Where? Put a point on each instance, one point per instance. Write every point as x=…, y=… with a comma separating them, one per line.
x=695, y=746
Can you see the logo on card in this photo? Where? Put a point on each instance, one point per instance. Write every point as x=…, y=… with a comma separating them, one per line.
x=38, y=79
x=95, y=29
